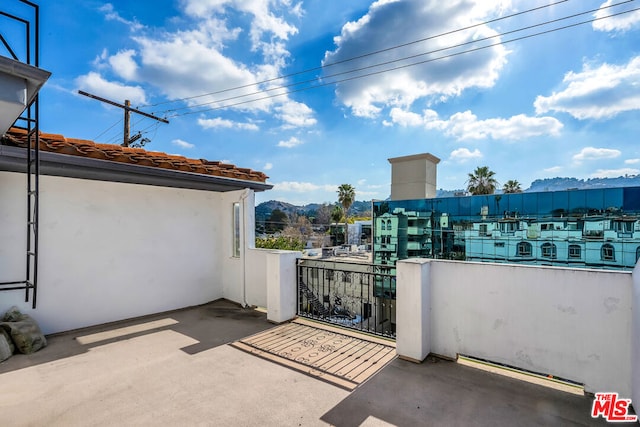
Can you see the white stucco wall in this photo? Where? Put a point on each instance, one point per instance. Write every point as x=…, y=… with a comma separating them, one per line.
x=256, y=277
x=231, y=270
x=413, y=312
x=571, y=323
x=272, y=282
x=110, y=251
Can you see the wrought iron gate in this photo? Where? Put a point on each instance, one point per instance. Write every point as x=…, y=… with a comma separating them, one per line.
x=357, y=296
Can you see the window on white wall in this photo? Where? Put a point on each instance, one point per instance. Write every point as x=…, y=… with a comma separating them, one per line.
x=236, y=230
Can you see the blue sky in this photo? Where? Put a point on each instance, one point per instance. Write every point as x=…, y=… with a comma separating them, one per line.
x=566, y=103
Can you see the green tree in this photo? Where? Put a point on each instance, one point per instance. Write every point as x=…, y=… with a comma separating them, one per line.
x=346, y=196
x=282, y=242
x=277, y=221
x=337, y=213
x=512, y=186
x=482, y=181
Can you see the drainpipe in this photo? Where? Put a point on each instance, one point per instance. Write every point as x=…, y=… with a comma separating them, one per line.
x=243, y=200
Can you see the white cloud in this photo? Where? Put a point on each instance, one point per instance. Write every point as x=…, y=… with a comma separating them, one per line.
x=94, y=83
x=596, y=93
x=554, y=169
x=173, y=61
x=592, y=153
x=182, y=144
x=614, y=173
x=462, y=155
x=465, y=125
x=295, y=115
x=267, y=166
x=174, y=65
x=111, y=15
x=290, y=143
x=124, y=65
x=623, y=22
x=247, y=126
x=99, y=61
x=409, y=118
x=302, y=187
x=263, y=18
x=219, y=122
x=632, y=161
x=389, y=23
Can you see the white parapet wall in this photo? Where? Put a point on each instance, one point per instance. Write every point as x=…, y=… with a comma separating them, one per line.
x=272, y=281
x=110, y=251
x=572, y=323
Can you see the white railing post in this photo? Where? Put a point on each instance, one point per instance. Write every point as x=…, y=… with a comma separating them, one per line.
x=281, y=285
x=413, y=309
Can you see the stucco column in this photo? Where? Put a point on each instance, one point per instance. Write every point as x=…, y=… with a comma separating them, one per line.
x=281, y=285
x=413, y=309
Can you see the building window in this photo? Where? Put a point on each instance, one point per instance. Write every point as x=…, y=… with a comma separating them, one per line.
x=549, y=250
x=508, y=227
x=389, y=225
x=523, y=249
x=575, y=252
x=608, y=252
x=623, y=226
x=383, y=225
x=483, y=229
x=236, y=229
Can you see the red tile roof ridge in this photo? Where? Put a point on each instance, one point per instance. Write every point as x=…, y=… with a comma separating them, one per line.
x=57, y=143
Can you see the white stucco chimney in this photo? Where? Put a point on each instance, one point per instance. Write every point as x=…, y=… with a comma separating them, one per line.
x=414, y=177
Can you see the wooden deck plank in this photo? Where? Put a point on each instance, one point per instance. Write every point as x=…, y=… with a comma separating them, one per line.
x=341, y=357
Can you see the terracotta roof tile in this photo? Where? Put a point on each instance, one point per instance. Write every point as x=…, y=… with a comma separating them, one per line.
x=138, y=156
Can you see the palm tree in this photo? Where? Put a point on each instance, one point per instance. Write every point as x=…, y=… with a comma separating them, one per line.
x=512, y=186
x=346, y=196
x=337, y=213
x=482, y=181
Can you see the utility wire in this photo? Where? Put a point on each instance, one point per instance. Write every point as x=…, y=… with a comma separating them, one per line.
x=389, y=62
x=376, y=52
x=402, y=66
x=107, y=129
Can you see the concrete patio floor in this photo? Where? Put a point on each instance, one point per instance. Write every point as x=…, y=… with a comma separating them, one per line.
x=175, y=369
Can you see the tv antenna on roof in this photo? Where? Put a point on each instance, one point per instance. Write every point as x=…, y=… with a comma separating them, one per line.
x=126, y=140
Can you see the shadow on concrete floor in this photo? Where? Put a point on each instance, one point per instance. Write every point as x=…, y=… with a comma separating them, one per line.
x=213, y=324
x=444, y=393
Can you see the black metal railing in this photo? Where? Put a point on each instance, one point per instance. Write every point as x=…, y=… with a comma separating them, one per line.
x=357, y=296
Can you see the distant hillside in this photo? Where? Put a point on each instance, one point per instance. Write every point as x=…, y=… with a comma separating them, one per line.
x=448, y=193
x=557, y=184
x=264, y=209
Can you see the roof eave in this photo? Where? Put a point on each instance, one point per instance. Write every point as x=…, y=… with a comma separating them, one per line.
x=13, y=159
